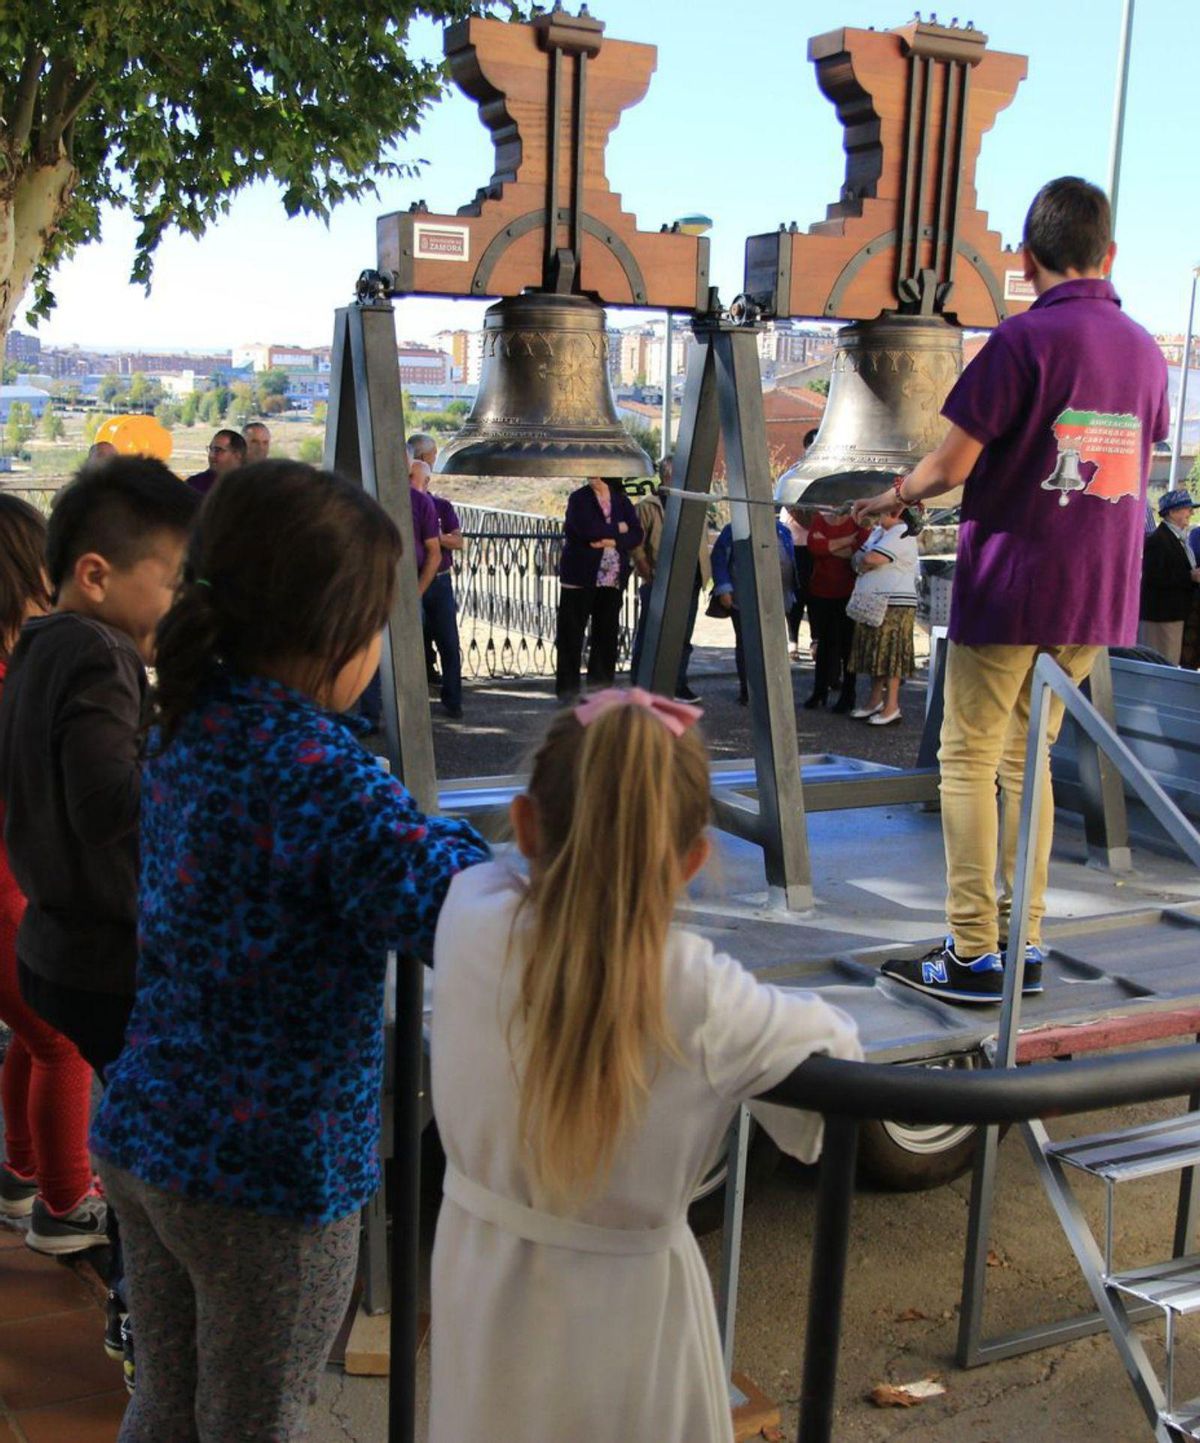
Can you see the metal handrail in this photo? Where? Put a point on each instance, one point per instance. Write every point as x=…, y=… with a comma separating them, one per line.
x=867, y=1090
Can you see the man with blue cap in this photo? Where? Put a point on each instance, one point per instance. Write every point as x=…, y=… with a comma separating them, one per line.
x=1169, y=577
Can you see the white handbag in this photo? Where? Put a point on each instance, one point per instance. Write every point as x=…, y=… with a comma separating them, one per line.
x=866, y=607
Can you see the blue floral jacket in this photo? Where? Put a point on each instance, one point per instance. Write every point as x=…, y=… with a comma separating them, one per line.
x=279, y=866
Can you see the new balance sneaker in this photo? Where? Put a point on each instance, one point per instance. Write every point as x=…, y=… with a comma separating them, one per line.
x=114, y=1320
x=16, y=1193
x=85, y=1226
x=943, y=973
x=1031, y=983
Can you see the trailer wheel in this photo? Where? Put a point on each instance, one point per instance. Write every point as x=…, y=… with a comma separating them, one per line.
x=911, y=1157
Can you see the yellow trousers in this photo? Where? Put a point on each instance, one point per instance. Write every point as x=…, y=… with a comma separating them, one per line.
x=983, y=741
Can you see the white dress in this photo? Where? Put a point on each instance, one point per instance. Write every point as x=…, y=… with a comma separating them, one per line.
x=601, y=1326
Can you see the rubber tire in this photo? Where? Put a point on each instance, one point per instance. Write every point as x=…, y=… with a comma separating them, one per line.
x=707, y=1212
x=885, y=1164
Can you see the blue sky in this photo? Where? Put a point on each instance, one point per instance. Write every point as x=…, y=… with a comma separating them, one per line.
x=733, y=126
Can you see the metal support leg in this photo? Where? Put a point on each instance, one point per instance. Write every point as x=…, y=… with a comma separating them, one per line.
x=684, y=527
x=1186, y=1208
x=1105, y=820
x=377, y=1294
x=724, y=391
x=406, y=1203
x=831, y=1240
x=781, y=828
x=731, y=1233
x=364, y=441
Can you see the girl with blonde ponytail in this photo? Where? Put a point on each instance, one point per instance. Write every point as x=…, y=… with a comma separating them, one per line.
x=587, y=1059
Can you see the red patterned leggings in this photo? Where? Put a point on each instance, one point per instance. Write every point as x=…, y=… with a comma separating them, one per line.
x=45, y=1090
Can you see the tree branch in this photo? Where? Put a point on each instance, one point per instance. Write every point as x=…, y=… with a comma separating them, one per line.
x=20, y=120
x=67, y=96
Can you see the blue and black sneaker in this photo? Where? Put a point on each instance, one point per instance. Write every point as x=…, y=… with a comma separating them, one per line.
x=1031, y=983
x=943, y=973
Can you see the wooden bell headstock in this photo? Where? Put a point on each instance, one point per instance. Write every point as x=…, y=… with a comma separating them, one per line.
x=551, y=92
x=906, y=234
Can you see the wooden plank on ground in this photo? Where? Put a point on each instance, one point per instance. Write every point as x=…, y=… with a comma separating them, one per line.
x=369, y=1349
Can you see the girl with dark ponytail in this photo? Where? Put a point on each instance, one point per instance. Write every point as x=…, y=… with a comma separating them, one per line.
x=280, y=864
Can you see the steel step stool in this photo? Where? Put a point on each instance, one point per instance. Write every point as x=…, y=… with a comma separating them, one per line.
x=1173, y=1286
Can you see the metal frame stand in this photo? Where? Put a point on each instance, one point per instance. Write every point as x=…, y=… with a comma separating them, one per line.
x=364, y=440
x=723, y=399
x=973, y=1348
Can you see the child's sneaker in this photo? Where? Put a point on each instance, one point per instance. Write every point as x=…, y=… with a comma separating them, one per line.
x=943, y=973
x=127, y=1367
x=114, y=1320
x=85, y=1226
x=16, y=1193
x=1031, y=983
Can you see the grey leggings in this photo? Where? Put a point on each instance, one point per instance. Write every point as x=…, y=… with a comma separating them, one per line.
x=234, y=1315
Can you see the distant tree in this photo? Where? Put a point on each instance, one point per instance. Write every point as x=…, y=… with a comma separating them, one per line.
x=104, y=108
x=243, y=403
x=458, y=408
x=274, y=382
x=311, y=450
x=820, y=385
x=51, y=426
x=167, y=413
x=92, y=424
x=212, y=406
x=19, y=427
x=189, y=408
x=274, y=405
x=320, y=413
x=111, y=386
x=144, y=391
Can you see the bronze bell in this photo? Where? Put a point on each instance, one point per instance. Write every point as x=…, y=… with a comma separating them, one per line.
x=545, y=406
x=889, y=381
x=1065, y=477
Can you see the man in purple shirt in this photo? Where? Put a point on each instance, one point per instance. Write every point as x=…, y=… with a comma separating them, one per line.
x=1051, y=429
x=441, y=611
x=226, y=452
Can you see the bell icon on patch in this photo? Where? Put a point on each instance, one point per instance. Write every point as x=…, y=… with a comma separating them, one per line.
x=1065, y=477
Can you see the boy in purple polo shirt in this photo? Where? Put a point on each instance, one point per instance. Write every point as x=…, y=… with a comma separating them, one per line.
x=1051, y=430
x=440, y=608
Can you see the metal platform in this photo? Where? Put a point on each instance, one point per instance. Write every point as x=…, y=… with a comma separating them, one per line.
x=1115, y=944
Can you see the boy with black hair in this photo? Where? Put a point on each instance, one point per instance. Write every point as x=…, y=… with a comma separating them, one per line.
x=70, y=722
x=1051, y=428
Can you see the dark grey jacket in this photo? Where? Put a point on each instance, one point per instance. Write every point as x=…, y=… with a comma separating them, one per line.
x=70, y=780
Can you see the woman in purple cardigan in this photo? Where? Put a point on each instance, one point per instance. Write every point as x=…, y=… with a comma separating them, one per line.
x=600, y=531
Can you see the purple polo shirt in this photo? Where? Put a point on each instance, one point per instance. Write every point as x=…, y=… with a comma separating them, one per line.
x=425, y=523
x=1067, y=400
x=448, y=522
x=203, y=481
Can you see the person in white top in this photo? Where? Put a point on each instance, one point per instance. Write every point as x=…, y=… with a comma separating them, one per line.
x=886, y=564
x=587, y=1059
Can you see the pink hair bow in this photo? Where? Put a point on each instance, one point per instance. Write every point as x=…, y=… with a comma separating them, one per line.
x=676, y=716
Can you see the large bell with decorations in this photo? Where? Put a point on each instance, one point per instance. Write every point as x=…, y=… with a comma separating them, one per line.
x=545, y=406
x=889, y=380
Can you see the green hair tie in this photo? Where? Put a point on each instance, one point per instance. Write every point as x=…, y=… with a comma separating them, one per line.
x=200, y=581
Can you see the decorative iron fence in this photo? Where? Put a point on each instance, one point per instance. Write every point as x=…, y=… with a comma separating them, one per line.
x=506, y=586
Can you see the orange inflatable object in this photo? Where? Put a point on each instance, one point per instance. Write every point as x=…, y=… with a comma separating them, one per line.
x=137, y=436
